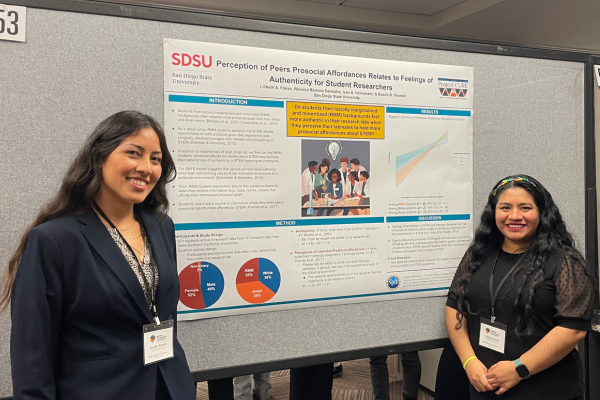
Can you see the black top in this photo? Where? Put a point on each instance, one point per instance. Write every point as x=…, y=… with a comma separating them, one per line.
x=563, y=299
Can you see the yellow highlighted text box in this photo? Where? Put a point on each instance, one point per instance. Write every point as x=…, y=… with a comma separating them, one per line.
x=344, y=121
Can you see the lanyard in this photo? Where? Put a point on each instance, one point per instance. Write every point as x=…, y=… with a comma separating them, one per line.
x=494, y=295
x=151, y=289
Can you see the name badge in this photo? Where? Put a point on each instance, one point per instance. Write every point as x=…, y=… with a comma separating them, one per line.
x=492, y=335
x=158, y=342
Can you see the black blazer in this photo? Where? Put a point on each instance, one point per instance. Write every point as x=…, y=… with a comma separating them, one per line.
x=78, y=310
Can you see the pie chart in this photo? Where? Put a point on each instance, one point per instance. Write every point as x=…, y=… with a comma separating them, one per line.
x=258, y=280
x=200, y=285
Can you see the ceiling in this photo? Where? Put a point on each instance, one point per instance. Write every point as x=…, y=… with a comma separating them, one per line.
x=557, y=24
x=425, y=7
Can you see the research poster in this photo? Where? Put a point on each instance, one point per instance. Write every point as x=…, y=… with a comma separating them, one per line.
x=311, y=179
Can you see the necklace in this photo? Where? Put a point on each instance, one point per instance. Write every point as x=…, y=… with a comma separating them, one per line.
x=143, y=243
x=139, y=251
x=128, y=227
x=133, y=237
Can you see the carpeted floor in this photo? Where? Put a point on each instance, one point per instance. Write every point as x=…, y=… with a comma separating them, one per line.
x=354, y=384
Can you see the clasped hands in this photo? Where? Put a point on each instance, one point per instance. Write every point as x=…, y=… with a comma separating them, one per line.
x=499, y=378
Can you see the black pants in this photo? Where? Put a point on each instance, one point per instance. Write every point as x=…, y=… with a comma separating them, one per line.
x=220, y=389
x=411, y=376
x=311, y=383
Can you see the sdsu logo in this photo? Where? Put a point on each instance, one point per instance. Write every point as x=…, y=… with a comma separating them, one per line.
x=194, y=60
x=456, y=88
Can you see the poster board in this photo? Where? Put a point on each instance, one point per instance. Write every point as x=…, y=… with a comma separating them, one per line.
x=62, y=85
x=311, y=180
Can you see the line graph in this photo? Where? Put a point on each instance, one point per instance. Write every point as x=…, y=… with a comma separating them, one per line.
x=407, y=162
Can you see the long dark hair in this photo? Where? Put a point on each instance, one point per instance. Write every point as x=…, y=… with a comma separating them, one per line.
x=324, y=163
x=83, y=179
x=551, y=234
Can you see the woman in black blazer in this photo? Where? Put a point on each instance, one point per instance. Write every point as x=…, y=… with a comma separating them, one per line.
x=91, y=269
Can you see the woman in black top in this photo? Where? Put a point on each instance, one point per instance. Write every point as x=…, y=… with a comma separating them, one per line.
x=523, y=261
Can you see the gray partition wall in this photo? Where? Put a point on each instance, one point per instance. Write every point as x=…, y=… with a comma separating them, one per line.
x=79, y=66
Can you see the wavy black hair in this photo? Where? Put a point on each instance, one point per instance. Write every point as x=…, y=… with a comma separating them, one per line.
x=551, y=234
x=82, y=182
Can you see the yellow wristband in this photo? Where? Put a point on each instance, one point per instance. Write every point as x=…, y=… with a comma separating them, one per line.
x=466, y=362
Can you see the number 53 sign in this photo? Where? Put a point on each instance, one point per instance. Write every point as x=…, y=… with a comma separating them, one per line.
x=12, y=23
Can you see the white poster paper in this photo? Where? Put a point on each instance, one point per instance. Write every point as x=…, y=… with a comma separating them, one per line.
x=311, y=179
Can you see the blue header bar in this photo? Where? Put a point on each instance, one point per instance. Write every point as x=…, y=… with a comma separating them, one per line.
x=278, y=223
x=227, y=101
x=430, y=218
x=427, y=111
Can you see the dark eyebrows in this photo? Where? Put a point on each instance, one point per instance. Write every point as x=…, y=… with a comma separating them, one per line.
x=520, y=204
x=137, y=146
x=140, y=148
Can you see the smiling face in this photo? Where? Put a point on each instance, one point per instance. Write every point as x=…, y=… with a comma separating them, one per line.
x=517, y=218
x=324, y=170
x=344, y=165
x=131, y=171
x=312, y=169
x=354, y=167
x=334, y=178
x=351, y=178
